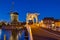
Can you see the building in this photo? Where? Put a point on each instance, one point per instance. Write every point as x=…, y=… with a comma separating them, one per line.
x=57, y=24
x=14, y=29
x=49, y=22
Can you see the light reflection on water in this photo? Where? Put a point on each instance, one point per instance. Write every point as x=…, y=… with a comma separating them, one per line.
x=0, y=33
x=8, y=34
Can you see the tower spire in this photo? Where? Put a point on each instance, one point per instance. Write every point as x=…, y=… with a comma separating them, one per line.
x=12, y=7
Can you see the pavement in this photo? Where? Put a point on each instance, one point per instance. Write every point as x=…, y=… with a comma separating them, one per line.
x=39, y=33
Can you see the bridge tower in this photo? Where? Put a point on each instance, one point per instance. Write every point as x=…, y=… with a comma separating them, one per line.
x=32, y=16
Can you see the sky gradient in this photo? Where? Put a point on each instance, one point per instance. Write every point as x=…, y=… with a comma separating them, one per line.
x=46, y=8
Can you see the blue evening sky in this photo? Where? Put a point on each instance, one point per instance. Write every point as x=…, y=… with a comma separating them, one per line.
x=46, y=8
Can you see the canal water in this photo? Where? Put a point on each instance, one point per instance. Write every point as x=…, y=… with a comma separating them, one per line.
x=21, y=36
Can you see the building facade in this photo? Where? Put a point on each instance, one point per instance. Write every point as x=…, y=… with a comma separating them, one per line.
x=48, y=21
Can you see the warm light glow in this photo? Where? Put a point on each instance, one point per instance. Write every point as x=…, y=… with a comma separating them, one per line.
x=57, y=24
x=11, y=37
x=30, y=33
x=41, y=24
x=14, y=17
x=17, y=37
x=53, y=25
x=41, y=21
x=32, y=17
x=4, y=37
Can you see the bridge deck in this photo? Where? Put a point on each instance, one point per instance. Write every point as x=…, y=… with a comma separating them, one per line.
x=42, y=34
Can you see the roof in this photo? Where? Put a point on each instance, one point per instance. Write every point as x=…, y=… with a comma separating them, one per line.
x=48, y=18
x=57, y=20
x=14, y=13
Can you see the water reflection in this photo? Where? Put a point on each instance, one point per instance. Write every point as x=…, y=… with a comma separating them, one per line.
x=0, y=33
x=7, y=35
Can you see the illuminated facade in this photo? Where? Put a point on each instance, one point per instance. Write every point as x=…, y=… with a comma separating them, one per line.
x=41, y=24
x=14, y=16
x=48, y=21
x=13, y=30
x=57, y=24
x=32, y=16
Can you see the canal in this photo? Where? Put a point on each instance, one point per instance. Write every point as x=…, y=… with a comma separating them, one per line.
x=14, y=35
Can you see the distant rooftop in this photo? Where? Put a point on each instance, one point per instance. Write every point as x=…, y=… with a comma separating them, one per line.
x=48, y=18
x=57, y=20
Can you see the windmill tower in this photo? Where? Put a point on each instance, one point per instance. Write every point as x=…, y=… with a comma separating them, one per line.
x=13, y=14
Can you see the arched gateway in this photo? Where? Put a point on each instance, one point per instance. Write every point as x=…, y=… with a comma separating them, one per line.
x=32, y=16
